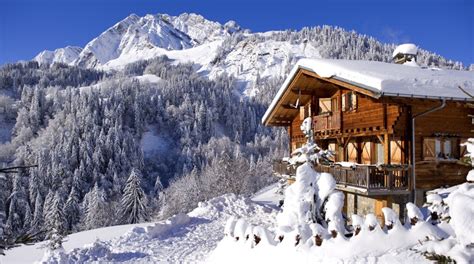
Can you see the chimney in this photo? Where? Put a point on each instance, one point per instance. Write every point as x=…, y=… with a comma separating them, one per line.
x=405, y=54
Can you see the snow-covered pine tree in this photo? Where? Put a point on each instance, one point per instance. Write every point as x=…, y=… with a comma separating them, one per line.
x=18, y=208
x=55, y=221
x=2, y=212
x=96, y=211
x=37, y=223
x=71, y=210
x=55, y=240
x=133, y=206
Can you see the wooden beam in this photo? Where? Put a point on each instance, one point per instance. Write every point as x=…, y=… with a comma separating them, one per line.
x=302, y=92
x=343, y=84
x=283, y=97
x=289, y=107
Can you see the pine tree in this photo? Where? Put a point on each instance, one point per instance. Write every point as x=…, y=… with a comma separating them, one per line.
x=71, y=210
x=2, y=214
x=134, y=202
x=96, y=213
x=37, y=223
x=55, y=221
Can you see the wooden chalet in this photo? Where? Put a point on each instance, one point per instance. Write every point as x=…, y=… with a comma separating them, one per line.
x=400, y=126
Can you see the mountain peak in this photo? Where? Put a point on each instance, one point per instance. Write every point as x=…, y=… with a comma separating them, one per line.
x=66, y=55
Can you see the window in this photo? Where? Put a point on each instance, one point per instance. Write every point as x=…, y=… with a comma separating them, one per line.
x=380, y=159
x=349, y=101
x=440, y=148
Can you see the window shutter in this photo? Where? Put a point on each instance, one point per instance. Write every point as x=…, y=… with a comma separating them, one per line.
x=353, y=101
x=302, y=113
x=455, y=148
x=462, y=149
x=429, y=148
x=343, y=102
x=334, y=105
x=325, y=105
x=307, y=112
x=396, y=152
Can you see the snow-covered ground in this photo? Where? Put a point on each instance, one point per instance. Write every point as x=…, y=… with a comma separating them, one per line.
x=185, y=238
x=198, y=237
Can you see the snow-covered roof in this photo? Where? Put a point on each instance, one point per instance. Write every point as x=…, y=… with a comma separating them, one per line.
x=386, y=79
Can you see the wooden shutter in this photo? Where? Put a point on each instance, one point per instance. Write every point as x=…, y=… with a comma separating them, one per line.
x=462, y=149
x=325, y=105
x=367, y=152
x=334, y=104
x=333, y=147
x=352, y=152
x=396, y=152
x=343, y=108
x=429, y=148
x=353, y=101
x=307, y=112
x=455, y=148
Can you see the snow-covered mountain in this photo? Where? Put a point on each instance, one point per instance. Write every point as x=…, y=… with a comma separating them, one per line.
x=217, y=48
x=63, y=55
x=184, y=38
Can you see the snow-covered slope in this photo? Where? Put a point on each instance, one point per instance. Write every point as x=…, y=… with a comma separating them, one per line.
x=252, y=60
x=63, y=55
x=184, y=238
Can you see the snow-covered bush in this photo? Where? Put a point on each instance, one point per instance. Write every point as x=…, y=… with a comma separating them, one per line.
x=357, y=223
x=391, y=218
x=437, y=208
x=414, y=213
x=229, y=229
x=371, y=222
x=240, y=229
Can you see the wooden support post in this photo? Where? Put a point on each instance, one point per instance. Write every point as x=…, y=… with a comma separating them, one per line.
x=386, y=148
x=341, y=111
x=290, y=131
x=359, y=150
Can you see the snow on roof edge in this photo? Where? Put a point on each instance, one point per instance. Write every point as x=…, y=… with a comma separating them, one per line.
x=374, y=84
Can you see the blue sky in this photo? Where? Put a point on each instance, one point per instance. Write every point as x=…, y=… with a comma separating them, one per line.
x=442, y=26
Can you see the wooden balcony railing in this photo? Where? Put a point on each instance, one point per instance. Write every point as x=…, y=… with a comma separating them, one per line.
x=328, y=121
x=370, y=177
x=283, y=168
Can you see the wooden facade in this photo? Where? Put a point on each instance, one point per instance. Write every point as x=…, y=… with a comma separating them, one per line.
x=375, y=132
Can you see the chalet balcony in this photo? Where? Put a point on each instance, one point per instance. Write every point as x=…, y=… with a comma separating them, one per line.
x=370, y=179
x=327, y=122
x=364, y=179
